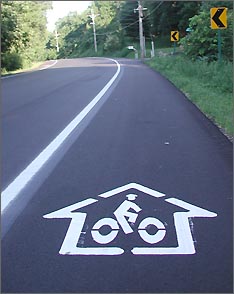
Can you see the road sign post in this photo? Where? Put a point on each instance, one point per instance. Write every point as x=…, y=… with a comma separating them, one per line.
x=218, y=20
x=174, y=38
x=219, y=46
x=174, y=48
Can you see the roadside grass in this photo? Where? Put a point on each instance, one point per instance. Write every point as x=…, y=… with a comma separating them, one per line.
x=208, y=85
x=33, y=66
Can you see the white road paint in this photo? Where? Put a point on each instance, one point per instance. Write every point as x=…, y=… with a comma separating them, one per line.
x=73, y=233
x=49, y=65
x=158, y=236
x=131, y=197
x=12, y=191
x=105, y=239
x=185, y=241
x=193, y=210
x=69, y=246
x=30, y=71
x=138, y=187
x=67, y=212
x=122, y=212
x=183, y=231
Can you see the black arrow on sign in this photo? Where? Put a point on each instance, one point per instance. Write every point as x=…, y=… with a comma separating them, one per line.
x=174, y=36
x=216, y=19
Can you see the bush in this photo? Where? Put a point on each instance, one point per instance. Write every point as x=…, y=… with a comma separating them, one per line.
x=112, y=43
x=202, y=41
x=162, y=41
x=11, y=61
x=51, y=54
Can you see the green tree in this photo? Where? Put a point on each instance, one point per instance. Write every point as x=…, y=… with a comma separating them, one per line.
x=129, y=19
x=76, y=31
x=186, y=10
x=171, y=15
x=24, y=32
x=51, y=49
x=109, y=34
x=202, y=41
x=9, y=30
x=73, y=33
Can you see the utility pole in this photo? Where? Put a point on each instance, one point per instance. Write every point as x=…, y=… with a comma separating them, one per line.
x=140, y=12
x=56, y=37
x=92, y=15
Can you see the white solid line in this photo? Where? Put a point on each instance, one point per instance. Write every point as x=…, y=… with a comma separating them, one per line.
x=30, y=71
x=49, y=65
x=11, y=192
x=19, y=74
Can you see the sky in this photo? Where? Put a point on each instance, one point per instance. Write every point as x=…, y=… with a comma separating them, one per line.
x=62, y=8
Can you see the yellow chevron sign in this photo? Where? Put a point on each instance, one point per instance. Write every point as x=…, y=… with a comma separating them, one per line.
x=175, y=36
x=218, y=18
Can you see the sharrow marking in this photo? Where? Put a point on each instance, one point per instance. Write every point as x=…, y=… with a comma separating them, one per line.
x=11, y=192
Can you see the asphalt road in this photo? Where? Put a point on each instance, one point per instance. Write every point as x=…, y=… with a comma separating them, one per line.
x=136, y=198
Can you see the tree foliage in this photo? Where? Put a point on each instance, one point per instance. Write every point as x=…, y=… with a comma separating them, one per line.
x=118, y=23
x=202, y=41
x=25, y=39
x=76, y=31
x=129, y=19
x=170, y=15
x=24, y=33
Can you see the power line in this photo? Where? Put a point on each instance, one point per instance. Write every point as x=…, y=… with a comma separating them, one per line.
x=116, y=31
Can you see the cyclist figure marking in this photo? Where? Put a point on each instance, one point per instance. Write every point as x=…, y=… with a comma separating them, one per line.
x=122, y=213
x=125, y=217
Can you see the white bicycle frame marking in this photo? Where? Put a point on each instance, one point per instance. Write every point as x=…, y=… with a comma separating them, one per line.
x=121, y=214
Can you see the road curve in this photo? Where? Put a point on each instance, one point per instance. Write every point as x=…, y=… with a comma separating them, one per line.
x=145, y=153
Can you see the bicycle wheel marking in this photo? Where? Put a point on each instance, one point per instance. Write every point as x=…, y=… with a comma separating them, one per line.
x=131, y=219
x=104, y=239
x=154, y=238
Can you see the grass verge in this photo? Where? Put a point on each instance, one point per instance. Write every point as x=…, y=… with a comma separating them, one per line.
x=33, y=66
x=208, y=85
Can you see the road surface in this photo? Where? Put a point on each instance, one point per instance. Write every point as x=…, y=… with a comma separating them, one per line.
x=112, y=181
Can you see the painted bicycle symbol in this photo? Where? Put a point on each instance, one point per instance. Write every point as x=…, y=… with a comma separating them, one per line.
x=124, y=219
